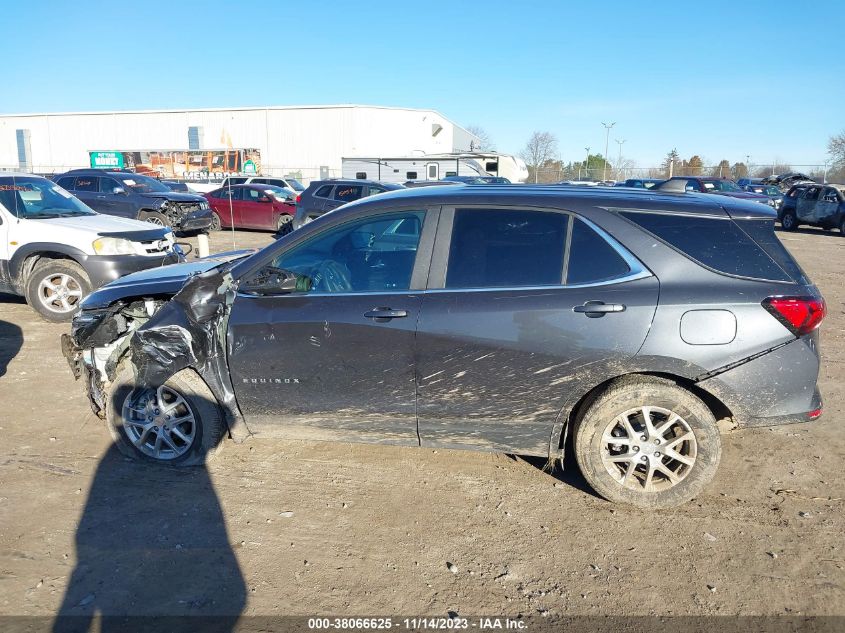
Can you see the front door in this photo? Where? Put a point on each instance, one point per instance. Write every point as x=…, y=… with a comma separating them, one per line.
x=336, y=361
x=116, y=203
x=520, y=323
x=256, y=209
x=805, y=207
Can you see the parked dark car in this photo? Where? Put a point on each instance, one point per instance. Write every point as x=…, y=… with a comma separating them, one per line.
x=177, y=185
x=495, y=180
x=488, y=318
x=719, y=186
x=130, y=195
x=252, y=207
x=639, y=183
x=285, y=183
x=429, y=183
x=322, y=196
x=814, y=205
x=467, y=180
x=774, y=193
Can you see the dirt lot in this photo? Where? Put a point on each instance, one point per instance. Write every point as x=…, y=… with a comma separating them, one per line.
x=285, y=527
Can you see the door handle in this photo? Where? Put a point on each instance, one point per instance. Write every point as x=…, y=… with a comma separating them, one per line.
x=595, y=309
x=385, y=313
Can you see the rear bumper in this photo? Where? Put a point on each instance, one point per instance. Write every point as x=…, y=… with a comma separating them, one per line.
x=773, y=389
x=103, y=269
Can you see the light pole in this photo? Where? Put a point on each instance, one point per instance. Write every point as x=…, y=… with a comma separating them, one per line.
x=607, y=127
x=748, y=165
x=824, y=179
x=619, y=159
x=586, y=164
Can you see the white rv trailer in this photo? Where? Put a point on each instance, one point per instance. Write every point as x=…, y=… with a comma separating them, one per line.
x=434, y=167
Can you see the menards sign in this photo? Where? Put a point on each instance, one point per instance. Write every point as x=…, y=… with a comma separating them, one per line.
x=183, y=164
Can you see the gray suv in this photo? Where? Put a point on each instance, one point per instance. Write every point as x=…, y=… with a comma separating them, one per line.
x=322, y=196
x=496, y=318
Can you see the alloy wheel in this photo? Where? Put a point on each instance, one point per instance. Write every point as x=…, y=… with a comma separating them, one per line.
x=60, y=293
x=648, y=449
x=160, y=423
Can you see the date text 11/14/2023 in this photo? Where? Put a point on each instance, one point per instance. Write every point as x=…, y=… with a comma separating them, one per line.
x=417, y=623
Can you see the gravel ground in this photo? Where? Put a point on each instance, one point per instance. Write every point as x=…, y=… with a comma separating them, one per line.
x=287, y=527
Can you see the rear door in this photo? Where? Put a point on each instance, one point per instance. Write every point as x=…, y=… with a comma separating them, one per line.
x=87, y=189
x=827, y=207
x=524, y=305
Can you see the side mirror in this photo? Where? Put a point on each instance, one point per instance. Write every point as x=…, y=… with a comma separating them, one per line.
x=118, y=190
x=276, y=281
x=265, y=199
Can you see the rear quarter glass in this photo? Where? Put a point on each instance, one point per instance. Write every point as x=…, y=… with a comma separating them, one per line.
x=718, y=243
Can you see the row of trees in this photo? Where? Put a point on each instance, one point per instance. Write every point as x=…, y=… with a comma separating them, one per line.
x=542, y=156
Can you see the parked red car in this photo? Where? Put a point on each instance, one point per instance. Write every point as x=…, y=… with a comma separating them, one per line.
x=252, y=207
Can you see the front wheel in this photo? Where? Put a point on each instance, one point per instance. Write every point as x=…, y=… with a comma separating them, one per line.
x=154, y=217
x=56, y=287
x=789, y=222
x=178, y=423
x=647, y=442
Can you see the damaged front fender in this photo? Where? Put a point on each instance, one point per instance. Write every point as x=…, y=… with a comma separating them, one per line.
x=190, y=331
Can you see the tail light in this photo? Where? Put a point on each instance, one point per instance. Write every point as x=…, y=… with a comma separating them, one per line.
x=800, y=315
x=298, y=197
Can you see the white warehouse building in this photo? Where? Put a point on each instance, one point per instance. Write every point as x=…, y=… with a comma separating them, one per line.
x=305, y=140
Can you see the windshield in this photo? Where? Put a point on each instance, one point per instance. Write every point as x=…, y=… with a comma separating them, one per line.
x=720, y=185
x=32, y=198
x=144, y=184
x=280, y=193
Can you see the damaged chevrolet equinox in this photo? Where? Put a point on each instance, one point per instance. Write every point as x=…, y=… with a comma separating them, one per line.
x=634, y=324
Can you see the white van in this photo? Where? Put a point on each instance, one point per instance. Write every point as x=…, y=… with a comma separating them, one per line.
x=54, y=250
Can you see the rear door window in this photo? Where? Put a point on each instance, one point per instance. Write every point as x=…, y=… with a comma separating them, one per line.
x=717, y=243
x=506, y=248
x=591, y=258
x=348, y=193
x=86, y=183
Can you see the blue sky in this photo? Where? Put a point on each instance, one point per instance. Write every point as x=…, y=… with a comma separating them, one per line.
x=718, y=79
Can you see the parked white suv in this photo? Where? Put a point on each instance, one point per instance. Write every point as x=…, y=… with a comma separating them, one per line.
x=291, y=184
x=54, y=250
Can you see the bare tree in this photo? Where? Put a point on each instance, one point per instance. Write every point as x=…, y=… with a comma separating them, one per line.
x=485, y=143
x=540, y=149
x=836, y=149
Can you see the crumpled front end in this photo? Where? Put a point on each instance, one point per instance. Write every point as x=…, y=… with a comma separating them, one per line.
x=159, y=338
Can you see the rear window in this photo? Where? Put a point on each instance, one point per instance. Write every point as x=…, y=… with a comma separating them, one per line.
x=323, y=192
x=717, y=243
x=591, y=258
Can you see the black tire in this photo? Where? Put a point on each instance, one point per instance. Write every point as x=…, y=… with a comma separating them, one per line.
x=208, y=421
x=284, y=224
x=842, y=225
x=216, y=224
x=623, y=395
x=154, y=217
x=71, y=285
x=789, y=222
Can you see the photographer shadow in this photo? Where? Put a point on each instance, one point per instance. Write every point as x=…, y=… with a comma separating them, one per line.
x=152, y=553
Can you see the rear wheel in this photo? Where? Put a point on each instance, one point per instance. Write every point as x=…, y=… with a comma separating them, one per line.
x=179, y=423
x=789, y=222
x=284, y=225
x=842, y=225
x=154, y=217
x=216, y=224
x=56, y=287
x=647, y=442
